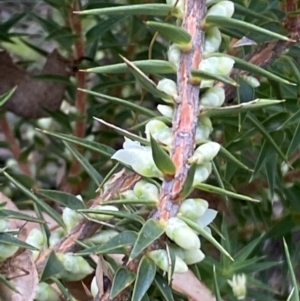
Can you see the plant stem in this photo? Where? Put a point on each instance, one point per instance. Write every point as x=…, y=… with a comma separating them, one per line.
x=186, y=111
x=13, y=144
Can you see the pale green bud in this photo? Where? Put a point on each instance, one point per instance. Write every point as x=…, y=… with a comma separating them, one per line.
x=102, y=217
x=76, y=267
x=7, y=250
x=102, y=237
x=45, y=123
x=182, y=234
x=174, y=55
x=192, y=208
x=46, y=292
x=146, y=191
x=159, y=131
x=169, y=87
x=71, y=218
x=4, y=225
x=205, y=152
x=222, y=9
x=193, y=256
x=36, y=238
x=217, y=65
x=160, y=258
x=203, y=130
x=213, y=97
x=212, y=41
x=225, y=65
x=251, y=81
x=239, y=286
x=202, y=173
x=56, y=236
x=166, y=111
x=94, y=287
x=128, y=195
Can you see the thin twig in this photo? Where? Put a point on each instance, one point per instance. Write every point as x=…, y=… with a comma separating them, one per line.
x=13, y=144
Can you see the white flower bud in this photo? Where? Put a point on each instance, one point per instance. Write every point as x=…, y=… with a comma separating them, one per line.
x=71, y=218
x=251, y=81
x=193, y=256
x=46, y=292
x=94, y=287
x=213, y=97
x=45, y=123
x=4, y=224
x=205, y=152
x=202, y=173
x=169, y=87
x=166, y=111
x=222, y=9
x=174, y=55
x=146, y=191
x=192, y=208
x=76, y=267
x=217, y=65
x=212, y=41
x=56, y=236
x=160, y=258
x=159, y=131
x=36, y=238
x=100, y=216
x=225, y=65
x=101, y=237
x=238, y=284
x=203, y=130
x=128, y=195
x=182, y=234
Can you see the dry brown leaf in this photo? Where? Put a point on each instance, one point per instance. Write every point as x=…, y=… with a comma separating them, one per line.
x=190, y=286
x=32, y=95
x=22, y=273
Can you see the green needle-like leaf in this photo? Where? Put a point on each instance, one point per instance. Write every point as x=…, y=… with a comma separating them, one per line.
x=63, y=198
x=220, y=191
x=6, y=96
x=162, y=160
x=172, y=33
x=242, y=25
x=292, y=273
x=53, y=267
x=91, y=171
x=150, y=231
x=198, y=75
x=144, y=278
x=39, y=202
x=123, y=278
x=139, y=9
x=149, y=66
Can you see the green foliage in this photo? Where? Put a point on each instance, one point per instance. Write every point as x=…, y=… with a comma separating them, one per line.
x=46, y=164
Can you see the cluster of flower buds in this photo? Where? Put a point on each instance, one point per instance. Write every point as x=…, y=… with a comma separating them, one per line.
x=187, y=243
